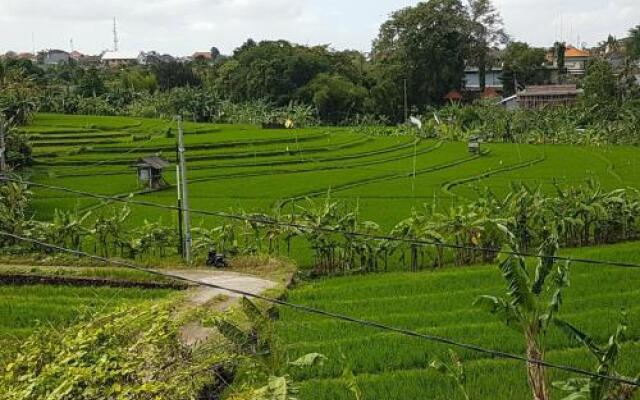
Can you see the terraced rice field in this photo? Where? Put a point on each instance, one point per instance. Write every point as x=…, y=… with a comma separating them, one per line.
x=393, y=367
x=254, y=170
x=247, y=168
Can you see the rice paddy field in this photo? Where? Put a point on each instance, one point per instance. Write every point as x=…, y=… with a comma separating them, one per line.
x=234, y=167
x=26, y=308
x=393, y=367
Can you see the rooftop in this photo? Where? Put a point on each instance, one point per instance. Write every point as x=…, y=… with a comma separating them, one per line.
x=154, y=162
x=202, y=54
x=574, y=52
x=549, y=90
x=120, y=55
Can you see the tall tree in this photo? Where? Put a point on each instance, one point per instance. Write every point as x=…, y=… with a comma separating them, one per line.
x=91, y=84
x=600, y=89
x=174, y=74
x=335, y=96
x=425, y=45
x=271, y=70
x=633, y=50
x=486, y=31
x=523, y=65
x=560, y=50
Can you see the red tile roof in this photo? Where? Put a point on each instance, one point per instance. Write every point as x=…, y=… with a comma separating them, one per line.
x=573, y=52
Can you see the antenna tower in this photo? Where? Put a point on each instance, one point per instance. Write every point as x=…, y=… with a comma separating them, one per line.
x=115, y=35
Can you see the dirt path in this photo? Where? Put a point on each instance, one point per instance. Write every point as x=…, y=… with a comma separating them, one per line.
x=192, y=334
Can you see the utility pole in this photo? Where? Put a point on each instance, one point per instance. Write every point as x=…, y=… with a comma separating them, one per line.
x=179, y=187
x=185, y=193
x=3, y=163
x=406, y=102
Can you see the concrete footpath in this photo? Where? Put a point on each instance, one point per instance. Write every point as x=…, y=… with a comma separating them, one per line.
x=192, y=334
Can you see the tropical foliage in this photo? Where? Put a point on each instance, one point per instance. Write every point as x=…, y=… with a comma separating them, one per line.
x=131, y=353
x=533, y=302
x=343, y=242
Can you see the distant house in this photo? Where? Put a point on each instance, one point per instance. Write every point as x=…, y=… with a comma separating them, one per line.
x=55, y=57
x=493, y=80
x=576, y=61
x=26, y=56
x=76, y=55
x=120, y=58
x=90, y=61
x=533, y=97
x=202, y=56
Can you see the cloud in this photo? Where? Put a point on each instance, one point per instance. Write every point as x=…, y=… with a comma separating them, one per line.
x=542, y=22
x=182, y=26
x=170, y=25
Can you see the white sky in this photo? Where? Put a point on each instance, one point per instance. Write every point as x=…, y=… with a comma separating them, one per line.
x=183, y=26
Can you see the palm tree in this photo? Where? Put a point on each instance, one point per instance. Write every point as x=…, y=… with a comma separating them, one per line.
x=527, y=308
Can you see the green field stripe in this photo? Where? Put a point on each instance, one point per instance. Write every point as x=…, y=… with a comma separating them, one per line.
x=108, y=160
x=485, y=379
x=386, y=353
x=60, y=138
x=64, y=143
x=409, y=305
x=361, y=165
x=218, y=145
x=364, y=154
x=417, y=320
x=448, y=186
x=611, y=167
x=375, y=179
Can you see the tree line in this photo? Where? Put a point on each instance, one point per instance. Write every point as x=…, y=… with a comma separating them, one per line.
x=419, y=55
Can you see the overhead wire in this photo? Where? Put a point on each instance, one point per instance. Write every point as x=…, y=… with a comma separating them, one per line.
x=265, y=220
x=333, y=315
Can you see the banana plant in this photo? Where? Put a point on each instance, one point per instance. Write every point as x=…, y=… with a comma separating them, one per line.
x=14, y=201
x=453, y=370
x=527, y=308
x=319, y=219
x=108, y=231
x=598, y=387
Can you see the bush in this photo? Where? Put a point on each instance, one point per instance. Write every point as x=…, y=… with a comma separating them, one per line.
x=133, y=353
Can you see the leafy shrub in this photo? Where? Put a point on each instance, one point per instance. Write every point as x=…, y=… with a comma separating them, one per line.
x=133, y=353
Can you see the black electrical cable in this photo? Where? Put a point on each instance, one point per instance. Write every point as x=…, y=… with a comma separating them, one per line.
x=268, y=221
x=342, y=317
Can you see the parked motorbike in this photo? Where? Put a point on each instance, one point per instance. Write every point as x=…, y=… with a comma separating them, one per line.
x=216, y=260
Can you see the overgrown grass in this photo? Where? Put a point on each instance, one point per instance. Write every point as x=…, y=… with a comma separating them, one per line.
x=113, y=273
x=24, y=308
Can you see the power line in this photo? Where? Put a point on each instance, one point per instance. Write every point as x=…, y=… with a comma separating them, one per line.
x=268, y=221
x=329, y=314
